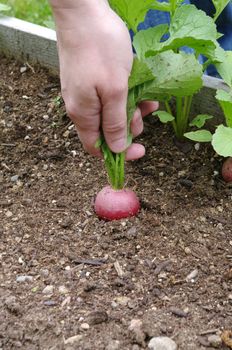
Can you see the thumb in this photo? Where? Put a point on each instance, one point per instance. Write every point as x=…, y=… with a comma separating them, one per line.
x=114, y=117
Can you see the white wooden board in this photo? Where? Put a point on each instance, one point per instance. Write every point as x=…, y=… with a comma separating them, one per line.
x=28, y=42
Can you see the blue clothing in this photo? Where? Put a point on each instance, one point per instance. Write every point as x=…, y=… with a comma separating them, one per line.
x=224, y=22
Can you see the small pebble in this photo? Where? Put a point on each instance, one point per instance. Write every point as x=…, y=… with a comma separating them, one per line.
x=113, y=345
x=50, y=303
x=74, y=153
x=137, y=332
x=181, y=173
x=192, y=276
x=123, y=300
x=63, y=290
x=45, y=117
x=14, y=178
x=9, y=214
x=74, y=339
x=162, y=343
x=66, y=301
x=197, y=146
x=215, y=340
x=66, y=134
x=84, y=326
x=187, y=250
x=23, y=69
x=135, y=347
x=48, y=289
x=24, y=279
x=220, y=209
x=114, y=305
x=45, y=167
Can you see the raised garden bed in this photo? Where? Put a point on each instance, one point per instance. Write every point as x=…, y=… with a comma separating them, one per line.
x=82, y=270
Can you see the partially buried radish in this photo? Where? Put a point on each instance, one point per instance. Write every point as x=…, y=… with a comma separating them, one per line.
x=113, y=204
x=227, y=170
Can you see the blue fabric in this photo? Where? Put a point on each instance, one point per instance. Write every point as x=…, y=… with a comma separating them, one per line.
x=224, y=23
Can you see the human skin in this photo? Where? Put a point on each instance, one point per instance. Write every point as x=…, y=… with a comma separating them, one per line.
x=96, y=57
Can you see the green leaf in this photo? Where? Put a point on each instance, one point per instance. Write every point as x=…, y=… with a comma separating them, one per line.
x=140, y=73
x=199, y=136
x=161, y=6
x=222, y=141
x=218, y=55
x=219, y=7
x=224, y=68
x=225, y=100
x=177, y=74
x=192, y=27
x=189, y=27
x=163, y=116
x=149, y=39
x=4, y=8
x=200, y=120
x=132, y=12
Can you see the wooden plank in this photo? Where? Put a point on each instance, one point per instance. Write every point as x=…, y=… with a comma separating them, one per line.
x=36, y=44
x=28, y=42
x=205, y=102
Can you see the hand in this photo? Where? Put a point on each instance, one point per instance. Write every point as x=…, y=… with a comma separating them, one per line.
x=95, y=62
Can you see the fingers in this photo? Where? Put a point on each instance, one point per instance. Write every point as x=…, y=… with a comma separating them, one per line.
x=145, y=108
x=137, y=123
x=135, y=151
x=114, y=115
x=87, y=126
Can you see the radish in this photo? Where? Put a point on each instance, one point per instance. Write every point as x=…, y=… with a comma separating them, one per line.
x=113, y=204
x=227, y=170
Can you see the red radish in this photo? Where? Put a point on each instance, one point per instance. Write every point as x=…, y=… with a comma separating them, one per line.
x=227, y=170
x=113, y=204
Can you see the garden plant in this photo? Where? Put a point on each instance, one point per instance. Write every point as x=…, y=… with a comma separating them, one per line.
x=164, y=71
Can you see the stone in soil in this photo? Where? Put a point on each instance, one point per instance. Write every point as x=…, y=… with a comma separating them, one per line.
x=23, y=278
x=162, y=343
x=215, y=340
x=48, y=289
x=84, y=326
x=113, y=345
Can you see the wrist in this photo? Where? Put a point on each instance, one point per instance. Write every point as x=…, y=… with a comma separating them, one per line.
x=67, y=12
x=77, y=5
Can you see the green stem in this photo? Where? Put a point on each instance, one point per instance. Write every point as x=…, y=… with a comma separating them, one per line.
x=173, y=7
x=188, y=110
x=169, y=110
x=179, y=117
x=114, y=163
x=122, y=170
x=183, y=115
x=206, y=64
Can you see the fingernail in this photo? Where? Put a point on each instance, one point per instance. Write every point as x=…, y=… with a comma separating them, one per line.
x=119, y=146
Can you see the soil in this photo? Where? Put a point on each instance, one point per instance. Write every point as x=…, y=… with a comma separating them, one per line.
x=65, y=273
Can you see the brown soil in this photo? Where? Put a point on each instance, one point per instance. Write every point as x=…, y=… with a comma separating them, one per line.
x=50, y=234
